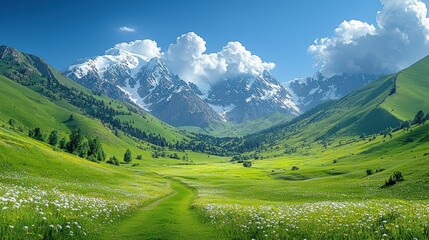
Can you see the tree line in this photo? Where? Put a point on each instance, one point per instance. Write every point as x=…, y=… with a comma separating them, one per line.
x=77, y=144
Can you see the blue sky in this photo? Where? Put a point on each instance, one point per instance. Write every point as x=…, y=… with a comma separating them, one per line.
x=278, y=31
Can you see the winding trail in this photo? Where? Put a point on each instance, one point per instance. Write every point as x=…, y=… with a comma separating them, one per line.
x=167, y=218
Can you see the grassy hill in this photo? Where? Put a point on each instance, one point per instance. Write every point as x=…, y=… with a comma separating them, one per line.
x=411, y=93
x=381, y=105
x=35, y=74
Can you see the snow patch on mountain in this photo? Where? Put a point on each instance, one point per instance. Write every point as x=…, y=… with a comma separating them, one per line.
x=309, y=92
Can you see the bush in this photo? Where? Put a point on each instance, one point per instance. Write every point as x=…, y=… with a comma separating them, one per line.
x=393, y=179
x=398, y=176
x=113, y=160
x=12, y=122
x=247, y=163
x=369, y=172
x=295, y=168
x=139, y=157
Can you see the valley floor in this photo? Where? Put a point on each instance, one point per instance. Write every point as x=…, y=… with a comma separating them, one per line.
x=317, y=192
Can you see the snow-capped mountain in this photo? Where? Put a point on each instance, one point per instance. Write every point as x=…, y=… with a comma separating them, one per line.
x=104, y=74
x=170, y=98
x=312, y=91
x=248, y=97
x=151, y=85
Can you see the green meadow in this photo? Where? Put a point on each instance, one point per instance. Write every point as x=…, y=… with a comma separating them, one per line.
x=52, y=194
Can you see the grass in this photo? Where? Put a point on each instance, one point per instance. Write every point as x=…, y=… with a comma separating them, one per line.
x=246, y=203
x=411, y=92
x=321, y=200
x=170, y=218
x=54, y=195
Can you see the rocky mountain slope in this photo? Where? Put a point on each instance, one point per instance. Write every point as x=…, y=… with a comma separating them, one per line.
x=312, y=91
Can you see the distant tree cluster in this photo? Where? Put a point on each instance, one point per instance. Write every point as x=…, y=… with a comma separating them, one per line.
x=78, y=145
x=420, y=118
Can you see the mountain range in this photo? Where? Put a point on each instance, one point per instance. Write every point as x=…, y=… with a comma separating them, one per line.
x=311, y=91
x=152, y=86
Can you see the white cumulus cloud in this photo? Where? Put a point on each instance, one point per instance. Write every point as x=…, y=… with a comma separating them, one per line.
x=188, y=58
x=127, y=29
x=146, y=48
x=400, y=38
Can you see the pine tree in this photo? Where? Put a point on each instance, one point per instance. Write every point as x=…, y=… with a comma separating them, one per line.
x=96, y=151
x=36, y=134
x=419, y=118
x=53, y=138
x=75, y=145
x=127, y=156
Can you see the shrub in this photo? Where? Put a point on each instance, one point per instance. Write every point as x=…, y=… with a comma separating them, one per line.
x=247, y=163
x=393, y=179
x=369, y=172
x=113, y=160
x=398, y=176
x=12, y=122
x=295, y=168
x=139, y=157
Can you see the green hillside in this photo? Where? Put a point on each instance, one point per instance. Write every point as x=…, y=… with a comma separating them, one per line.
x=411, y=95
x=30, y=110
x=34, y=73
x=380, y=105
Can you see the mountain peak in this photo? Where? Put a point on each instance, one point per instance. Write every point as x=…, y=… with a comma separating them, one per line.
x=9, y=51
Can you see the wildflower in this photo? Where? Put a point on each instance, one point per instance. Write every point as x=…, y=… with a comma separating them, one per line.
x=4, y=209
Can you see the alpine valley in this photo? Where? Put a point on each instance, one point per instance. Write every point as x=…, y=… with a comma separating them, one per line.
x=180, y=141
